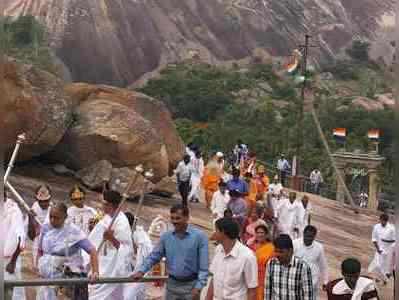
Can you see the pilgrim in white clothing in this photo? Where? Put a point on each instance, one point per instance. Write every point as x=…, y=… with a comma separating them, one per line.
x=13, y=234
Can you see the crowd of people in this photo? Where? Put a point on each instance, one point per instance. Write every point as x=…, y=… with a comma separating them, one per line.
x=264, y=237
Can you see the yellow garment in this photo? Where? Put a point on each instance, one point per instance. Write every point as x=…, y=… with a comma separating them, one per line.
x=263, y=253
x=252, y=193
x=262, y=184
x=210, y=182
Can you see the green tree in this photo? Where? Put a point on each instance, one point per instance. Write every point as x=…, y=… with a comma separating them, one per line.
x=359, y=51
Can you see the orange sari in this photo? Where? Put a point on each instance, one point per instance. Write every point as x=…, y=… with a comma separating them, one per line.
x=262, y=184
x=210, y=183
x=252, y=193
x=263, y=254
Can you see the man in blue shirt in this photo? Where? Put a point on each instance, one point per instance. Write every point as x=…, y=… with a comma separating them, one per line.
x=237, y=183
x=186, y=252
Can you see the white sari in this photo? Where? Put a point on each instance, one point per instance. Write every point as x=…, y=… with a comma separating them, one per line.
x=12, y=226
x=59, y=249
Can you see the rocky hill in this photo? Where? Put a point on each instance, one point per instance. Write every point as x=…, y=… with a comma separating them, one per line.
x=116, y=42
x=97, y=130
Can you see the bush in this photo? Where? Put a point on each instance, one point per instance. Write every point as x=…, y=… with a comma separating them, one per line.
x=359, y=51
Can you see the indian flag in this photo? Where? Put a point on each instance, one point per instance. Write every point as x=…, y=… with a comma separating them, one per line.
x=339, y=135
x=373, y=134
x=339, y=132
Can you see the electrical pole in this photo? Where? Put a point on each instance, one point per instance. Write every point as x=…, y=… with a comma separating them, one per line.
x=301, y=104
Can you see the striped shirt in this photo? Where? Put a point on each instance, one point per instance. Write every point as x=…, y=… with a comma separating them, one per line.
x=292, y=282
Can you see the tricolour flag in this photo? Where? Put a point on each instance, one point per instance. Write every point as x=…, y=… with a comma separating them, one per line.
x=340, y=135
x=339, y=132
x=373, y=134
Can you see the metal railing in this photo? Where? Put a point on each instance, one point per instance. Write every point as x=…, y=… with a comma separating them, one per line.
x=10, y=284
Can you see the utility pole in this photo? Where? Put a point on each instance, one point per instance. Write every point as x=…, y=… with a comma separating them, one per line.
x=305, y=51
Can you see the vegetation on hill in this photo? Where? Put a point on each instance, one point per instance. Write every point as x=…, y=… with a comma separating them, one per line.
x=214, y=106
x=25, y=39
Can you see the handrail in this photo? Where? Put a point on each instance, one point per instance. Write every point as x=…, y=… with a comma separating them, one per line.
x=78, y=281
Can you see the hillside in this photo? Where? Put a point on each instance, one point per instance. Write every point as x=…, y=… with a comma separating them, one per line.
x=116, y=42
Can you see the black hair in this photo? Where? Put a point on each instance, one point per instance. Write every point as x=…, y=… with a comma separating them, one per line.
x=235, y=172
x=130, y=217
x=229, y=227
x=184, y=209
x=112, y=197
x=61, y=207
x=262, y=226
x=227, y=211
x=351, y=266
x=384, y=217
x=283, y=242
x=311, y=229
x=222, y=183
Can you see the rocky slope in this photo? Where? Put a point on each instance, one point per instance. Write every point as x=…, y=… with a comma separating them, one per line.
x=80, y=125
x=116, y=42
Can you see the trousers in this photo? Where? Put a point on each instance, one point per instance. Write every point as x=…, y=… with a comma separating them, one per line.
x=176, y=290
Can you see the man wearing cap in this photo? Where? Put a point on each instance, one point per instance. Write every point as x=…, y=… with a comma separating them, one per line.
x=41, y=209
x=352, y=285
x=283, y=167
x=80, y=214
x=287, y=277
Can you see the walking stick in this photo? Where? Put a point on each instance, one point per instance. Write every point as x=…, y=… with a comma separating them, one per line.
x=18, y=198
x=147, y=175
x=20, y=139
x=139, y=170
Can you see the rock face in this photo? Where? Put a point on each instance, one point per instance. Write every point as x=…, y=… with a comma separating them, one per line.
x=32, y=101
x=116, y=42
x=140, y=129
x=106, y=130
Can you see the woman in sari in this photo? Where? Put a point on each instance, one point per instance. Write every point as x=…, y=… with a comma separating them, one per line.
x=60, y=247
x=255, y=218
x=210, y=180
x=252, y=191
x=264, y=250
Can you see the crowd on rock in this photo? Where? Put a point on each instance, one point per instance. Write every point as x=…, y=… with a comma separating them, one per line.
x=264, y=238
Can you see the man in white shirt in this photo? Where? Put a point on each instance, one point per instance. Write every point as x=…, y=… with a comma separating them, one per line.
x=41, y=209
x=275, y=187
x=197, y=170
x=79, y=213
x=316, y=179
x=183, y=174
x=288, y=216
x=383, y=237
x=283, y=167
x=220, y=199
x=312, y=252
x=234, y=266
x=305, y=209
x=352, y=286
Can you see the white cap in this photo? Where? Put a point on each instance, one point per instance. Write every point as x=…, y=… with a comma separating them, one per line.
x=219, y=154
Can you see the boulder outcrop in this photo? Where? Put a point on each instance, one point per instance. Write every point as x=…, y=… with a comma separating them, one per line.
x=32, y=101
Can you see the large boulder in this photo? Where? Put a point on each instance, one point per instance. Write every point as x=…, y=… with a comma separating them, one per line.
x=32, y=101
x=107, y=130
x=148, y=108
